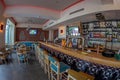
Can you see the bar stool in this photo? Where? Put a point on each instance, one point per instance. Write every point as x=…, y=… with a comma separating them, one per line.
x=41, y=58
x=73, y=75
x=22, y=58
x=58, y=68
x=46, y=63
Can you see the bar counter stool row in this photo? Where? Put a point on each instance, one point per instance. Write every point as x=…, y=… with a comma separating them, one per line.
x=57, y=70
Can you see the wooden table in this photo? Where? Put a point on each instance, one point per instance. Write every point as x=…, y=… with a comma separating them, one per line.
x=91, y=57
x=3, y=57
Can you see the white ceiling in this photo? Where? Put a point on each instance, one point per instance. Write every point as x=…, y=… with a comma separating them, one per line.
x=30, y=20
x=40, y=11
x=36, y=11
x=50, y=4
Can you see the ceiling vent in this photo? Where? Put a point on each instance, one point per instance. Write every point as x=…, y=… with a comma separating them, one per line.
x=76, y=11
x=51, y=23
x=104, y=2
x=45, y=26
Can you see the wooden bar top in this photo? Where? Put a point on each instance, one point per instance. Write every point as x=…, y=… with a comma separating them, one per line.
x=91, y=57
x=80, y=75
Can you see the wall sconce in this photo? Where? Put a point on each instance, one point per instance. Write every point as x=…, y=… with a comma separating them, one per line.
x=1, y=27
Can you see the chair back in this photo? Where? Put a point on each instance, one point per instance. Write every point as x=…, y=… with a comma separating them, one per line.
x=46, y=60
x=54, y=64
x=22, y=56
x=41, y=54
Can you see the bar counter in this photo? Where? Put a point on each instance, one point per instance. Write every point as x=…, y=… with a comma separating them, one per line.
x=91, y=57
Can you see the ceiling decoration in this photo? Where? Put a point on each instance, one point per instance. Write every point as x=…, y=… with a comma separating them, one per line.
x=50, y=4
x=30, y=20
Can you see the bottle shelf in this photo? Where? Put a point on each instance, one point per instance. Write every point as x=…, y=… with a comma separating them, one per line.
x=108, y=32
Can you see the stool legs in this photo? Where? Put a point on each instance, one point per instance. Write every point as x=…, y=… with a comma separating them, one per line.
x=4, y=61
x=45, y=68
x=48, y=72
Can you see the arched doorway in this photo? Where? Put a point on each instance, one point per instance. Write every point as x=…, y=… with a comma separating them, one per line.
x=9, y=33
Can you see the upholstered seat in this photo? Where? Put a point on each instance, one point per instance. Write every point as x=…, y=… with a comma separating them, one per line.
x=63, y=67
x=27, y=44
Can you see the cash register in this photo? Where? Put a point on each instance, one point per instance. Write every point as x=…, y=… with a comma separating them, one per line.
x=108, y=53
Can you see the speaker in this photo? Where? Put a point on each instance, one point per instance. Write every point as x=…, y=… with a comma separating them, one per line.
x=100, y=17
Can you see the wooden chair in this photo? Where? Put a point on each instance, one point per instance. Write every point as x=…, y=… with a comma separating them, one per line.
x=41, y=57
x=58, y=69
x=73, y=75
x=22, y=58
x=3, y=57
x=46, y=63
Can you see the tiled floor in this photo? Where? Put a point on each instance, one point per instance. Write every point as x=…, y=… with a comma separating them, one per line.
x=15, y=71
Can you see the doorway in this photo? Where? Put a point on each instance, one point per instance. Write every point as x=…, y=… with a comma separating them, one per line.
x=9, y=33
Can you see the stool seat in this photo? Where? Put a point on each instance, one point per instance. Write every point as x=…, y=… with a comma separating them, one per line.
x=63, y=67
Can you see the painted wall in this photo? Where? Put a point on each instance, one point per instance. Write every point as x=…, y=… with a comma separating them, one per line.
x=2, y=20
x=23, y=35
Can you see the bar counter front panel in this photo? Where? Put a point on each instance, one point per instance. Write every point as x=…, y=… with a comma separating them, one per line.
x=102, y=68
x=91, y=57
